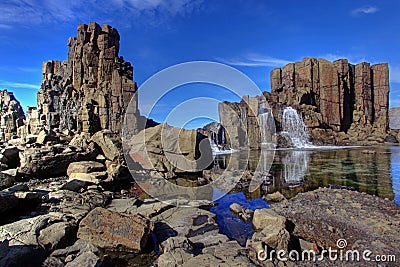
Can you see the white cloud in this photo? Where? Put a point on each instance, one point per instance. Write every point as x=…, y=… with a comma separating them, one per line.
x=255, y=60
x=10, y=85
x=36, y=12
x=365, y=10
x=353, y=59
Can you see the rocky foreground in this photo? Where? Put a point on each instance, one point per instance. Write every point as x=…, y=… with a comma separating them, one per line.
x=77, y=222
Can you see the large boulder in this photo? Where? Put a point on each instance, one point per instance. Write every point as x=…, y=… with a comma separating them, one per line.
x=110, y=144
x=111, y=230
x=270, y=230
x=93, y=177
x=85, y=167
x=170, y=150
x=57, y=235
x=45, y=136
x=51, y=162
x=20, y=239
x=10, y=156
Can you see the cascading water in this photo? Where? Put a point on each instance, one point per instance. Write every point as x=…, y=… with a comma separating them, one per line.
x=267, y=128
x=294, y=128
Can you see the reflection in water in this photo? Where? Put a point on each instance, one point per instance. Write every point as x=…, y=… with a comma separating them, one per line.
x=297, y=171
x=396, y=174
x=295, y=165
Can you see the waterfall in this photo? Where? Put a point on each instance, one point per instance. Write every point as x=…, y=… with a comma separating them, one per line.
x=295, y=167
x=267, y=128
x=294, y=127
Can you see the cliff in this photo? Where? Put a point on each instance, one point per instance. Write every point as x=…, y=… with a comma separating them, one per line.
x=340, y=103
x=89, y=91
x=336, y=96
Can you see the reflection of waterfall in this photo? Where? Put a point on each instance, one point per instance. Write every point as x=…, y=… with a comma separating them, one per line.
x=295, y=165
x=267, y=128
x=294, y=128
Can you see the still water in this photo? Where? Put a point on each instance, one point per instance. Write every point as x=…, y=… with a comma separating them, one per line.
x=374, y=170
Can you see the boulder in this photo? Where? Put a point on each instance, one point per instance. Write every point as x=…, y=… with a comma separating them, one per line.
x=118, y=172
x=80, y=140
x=186, y=222
x=85, y=167
x=93, y=177
x=45, y=136
x=78, y=248
x=265, y=217
x=275, y=197
x=73, y=185
x=170, y=150
x=51, y=162
x=87, y=259
x=270, y=230
x=57, y=235
x=21, y=238
x=11, y=156
x=77, y=205
x=110, y=144
x=111, y=230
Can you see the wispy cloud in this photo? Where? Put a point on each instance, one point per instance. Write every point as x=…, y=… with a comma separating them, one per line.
x=11, y=85
x=29, y=69
x=36, y=12
x=255, y=60
x=354, y=59
x=364, y=10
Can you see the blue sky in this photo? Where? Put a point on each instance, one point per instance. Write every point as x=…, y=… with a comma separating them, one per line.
x=253, y=36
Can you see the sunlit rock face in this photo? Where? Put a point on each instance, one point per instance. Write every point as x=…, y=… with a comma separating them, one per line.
x=91, y=90
x=11, y=115
x=341, y=103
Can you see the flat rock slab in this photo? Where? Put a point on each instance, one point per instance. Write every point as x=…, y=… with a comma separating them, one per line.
x=85, y=167
x=111, y=230
x=325, y=215
x=93, y=177
x=187, y=222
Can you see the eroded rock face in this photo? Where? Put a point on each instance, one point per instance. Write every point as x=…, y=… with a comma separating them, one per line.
x=339, y=102
x=89, y=91
x=337, y=97
x=12, y=115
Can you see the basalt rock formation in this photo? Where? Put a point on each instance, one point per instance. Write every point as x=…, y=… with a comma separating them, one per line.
x=348, y=102
x=89, y=91
x=11, y=114
x=340, y=103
